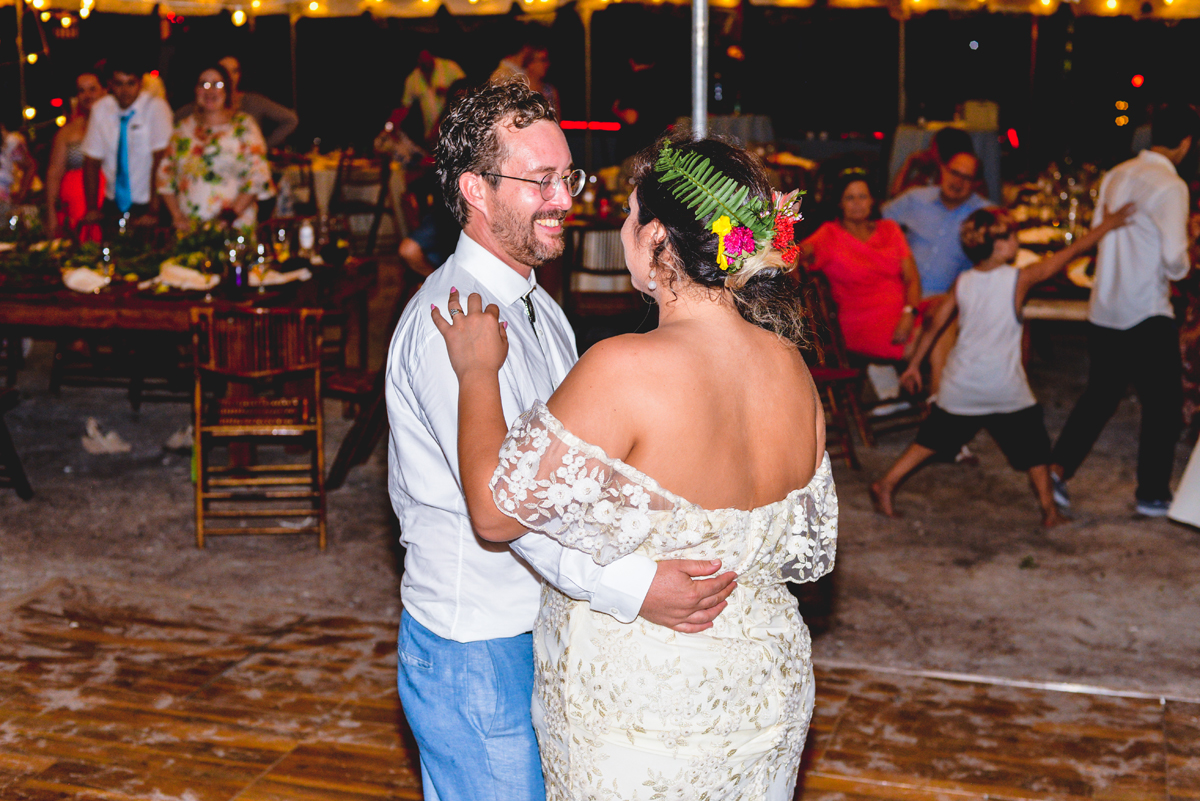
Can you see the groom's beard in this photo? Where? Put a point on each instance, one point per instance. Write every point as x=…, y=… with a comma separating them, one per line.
x=519, y=236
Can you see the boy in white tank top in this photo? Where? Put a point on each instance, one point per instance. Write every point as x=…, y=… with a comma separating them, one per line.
x=984, y=383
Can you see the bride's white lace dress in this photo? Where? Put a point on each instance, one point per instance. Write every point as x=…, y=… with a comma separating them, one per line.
x=638, y=711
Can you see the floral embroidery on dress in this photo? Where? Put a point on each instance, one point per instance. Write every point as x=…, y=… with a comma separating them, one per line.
x=637, y=711
x=207, y=168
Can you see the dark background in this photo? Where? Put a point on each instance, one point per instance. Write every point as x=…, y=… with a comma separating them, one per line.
x=812, y=70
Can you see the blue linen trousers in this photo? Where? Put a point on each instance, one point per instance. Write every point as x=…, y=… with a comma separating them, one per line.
x=468, y=704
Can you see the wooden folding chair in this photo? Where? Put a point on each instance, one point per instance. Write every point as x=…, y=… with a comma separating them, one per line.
x=12, y=474
x=839, y=384
x=258, y=382
x=363, y=390
x=355, y=172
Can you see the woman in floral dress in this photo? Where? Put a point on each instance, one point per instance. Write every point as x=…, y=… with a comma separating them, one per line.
x=216, y=165
x=703, y=439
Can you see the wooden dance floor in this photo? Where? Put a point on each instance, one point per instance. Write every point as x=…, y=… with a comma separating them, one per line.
x=111, y=693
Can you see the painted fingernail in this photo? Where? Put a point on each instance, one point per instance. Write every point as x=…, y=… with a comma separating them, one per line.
x=433, y=306
x=504, y=324
x=453, y=289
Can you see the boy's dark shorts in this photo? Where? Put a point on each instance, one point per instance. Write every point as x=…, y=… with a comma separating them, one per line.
x=1021, y=435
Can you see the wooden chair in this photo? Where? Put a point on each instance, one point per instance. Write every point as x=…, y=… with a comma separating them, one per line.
x=258, y=381
x=839, y=384
x=906, y=412
x=363, y=391
x=598, y=297
x=353, y=172
x=12, y=474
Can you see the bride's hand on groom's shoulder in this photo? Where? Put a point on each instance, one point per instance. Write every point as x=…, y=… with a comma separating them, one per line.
x=475, y=337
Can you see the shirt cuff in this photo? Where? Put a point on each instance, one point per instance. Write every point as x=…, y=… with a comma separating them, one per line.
x=623, y=586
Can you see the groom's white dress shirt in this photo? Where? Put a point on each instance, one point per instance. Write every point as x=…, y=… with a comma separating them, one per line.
x=455, y=584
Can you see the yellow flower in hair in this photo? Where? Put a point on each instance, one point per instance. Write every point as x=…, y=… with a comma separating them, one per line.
x=722, y=226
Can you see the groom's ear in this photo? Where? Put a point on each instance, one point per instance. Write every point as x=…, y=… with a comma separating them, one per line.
x=470, y=184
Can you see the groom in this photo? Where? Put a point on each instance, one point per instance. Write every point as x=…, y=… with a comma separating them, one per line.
x=465, y=674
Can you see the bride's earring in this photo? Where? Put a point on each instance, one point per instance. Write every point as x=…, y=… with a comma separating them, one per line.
x=652, y=284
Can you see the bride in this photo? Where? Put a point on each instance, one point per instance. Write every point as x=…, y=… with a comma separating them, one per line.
x=703, y=439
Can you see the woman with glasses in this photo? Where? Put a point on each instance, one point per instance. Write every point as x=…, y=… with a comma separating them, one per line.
x=216, y=165
x=984, y=384
x=871, y=271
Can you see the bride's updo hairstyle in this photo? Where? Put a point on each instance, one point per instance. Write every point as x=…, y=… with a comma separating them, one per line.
x=760, y=290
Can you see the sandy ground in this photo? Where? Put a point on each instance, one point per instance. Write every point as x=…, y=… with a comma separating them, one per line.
x=966, y=582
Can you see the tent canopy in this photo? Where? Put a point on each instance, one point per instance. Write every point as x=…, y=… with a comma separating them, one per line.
x=1152, y=9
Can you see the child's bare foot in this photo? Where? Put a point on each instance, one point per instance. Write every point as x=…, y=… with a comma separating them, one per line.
x=1053, y=518
x=881, y=499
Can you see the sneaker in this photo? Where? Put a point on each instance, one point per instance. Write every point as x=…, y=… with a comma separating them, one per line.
x=1153, y=508
x=1062, y=498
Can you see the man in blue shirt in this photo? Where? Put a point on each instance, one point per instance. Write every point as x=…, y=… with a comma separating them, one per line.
x=931, y=217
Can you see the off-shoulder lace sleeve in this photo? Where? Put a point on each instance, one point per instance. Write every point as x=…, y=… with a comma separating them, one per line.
x=812, y=540
x=555, y=483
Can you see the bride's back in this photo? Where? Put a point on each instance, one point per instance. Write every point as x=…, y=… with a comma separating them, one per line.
x=716, y=410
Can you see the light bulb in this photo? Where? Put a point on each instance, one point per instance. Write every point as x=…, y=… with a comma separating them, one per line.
x=84, y=13
x=238, y=18
x=60, y=121
x=30, y=112
x=31, y=58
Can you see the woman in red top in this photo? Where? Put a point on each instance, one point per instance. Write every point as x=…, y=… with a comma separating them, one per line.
x=870, y=269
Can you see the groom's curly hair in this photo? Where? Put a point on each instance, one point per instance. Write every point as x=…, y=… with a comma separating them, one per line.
x=467, y=140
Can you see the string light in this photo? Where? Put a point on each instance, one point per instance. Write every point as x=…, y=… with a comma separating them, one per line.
x=60, y=121
x=84, y=13
x=66, y=20
x=30, y=112
x=256, y=4
x=1112, y=5
x=1046, y=3
x=238, y=18
x=45, y=15
x=314, y=6
x=38, y=4
x=32, y=58
x=1122, y=120
x=1122, y=105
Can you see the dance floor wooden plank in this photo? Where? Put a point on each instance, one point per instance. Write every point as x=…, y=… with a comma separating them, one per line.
x=116, y=693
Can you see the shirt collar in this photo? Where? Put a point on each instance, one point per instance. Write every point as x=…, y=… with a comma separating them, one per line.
x=501, y=280
x=1150, y=155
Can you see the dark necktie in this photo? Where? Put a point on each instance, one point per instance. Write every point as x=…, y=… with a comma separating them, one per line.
x=529, y=312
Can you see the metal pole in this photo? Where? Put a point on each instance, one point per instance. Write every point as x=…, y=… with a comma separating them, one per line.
x=902, y=98
x=585, y=14
x=700, y=68
x=19, y=7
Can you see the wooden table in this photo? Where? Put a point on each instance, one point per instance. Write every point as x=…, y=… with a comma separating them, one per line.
x=121, y=307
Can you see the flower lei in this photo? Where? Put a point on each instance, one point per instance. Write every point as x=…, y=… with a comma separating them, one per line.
x=744, y=226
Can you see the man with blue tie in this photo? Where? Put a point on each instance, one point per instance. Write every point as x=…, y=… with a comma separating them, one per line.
x=127, y=135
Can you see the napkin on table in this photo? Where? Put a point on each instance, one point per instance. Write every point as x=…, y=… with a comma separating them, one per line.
x=273, y=277
x=177, y=276
x=84, y=279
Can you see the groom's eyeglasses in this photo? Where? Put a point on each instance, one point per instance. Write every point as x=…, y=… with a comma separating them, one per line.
x=549, y=184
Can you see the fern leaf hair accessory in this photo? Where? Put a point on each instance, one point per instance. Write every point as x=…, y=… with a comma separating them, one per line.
x=746, y=227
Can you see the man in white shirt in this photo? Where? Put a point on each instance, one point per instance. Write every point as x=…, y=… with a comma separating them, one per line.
x=1132, y=335
x=127, y=136
x=465, y=674
x=428, y=86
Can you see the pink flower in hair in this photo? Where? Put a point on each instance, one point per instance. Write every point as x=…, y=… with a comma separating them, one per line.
x=739, y=241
